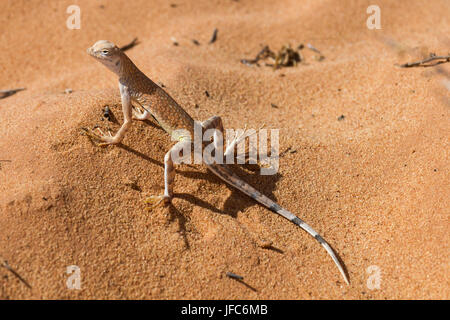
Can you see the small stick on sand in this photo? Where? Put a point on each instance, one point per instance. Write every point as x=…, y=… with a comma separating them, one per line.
x=10, y=92
x=174, y=41
x=130, y=45
x=234, y=276
x=214, y=36
x=240, y=279
x=107, y=113
x=264, y=53
x=4, y=263
x=311, y=47
x=426, y=62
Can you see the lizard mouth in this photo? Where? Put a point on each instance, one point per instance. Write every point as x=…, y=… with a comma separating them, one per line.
x=89, y=51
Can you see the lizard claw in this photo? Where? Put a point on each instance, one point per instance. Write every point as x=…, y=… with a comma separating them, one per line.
x=154, y=201
x=137, y=114
x=95, y=138
x=140, y=115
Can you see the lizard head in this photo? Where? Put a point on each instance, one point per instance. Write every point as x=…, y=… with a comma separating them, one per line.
x=107, y=53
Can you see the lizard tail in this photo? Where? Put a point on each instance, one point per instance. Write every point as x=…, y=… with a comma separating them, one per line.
x=225, y=173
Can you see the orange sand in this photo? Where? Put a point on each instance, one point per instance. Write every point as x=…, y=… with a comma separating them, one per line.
x=374, y=184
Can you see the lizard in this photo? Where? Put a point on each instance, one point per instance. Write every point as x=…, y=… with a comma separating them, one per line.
x=135, y=86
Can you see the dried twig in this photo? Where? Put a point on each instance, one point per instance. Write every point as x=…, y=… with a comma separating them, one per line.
x=174, y=41
x=4, y=263
x=320, y=56
x=130, y=45
x=402, y=48
x=240, y=279
x=264, y=53
x=107, y=113
x=426, y=62
x=312, y=48
x=10, y=92
x=214, y=36
x=234, y=276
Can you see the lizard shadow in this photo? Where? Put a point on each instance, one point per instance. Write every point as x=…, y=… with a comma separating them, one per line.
x=237, y=201
x=246, y=285
x=140, y=154
x=176, y=214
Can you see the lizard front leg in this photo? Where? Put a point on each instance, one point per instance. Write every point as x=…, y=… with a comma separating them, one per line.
x=127, y=115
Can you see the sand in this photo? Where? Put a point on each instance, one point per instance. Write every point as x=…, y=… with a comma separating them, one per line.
x=373, y=183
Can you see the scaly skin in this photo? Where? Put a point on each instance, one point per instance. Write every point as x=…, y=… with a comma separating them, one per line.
x=149, y=95
x=135, y=85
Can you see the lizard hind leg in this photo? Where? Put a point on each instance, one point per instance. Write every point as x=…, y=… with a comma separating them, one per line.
x=215, y=122
x=169, y=176
x=238, y=138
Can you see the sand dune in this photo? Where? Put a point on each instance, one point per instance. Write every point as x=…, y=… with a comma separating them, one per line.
x=373, y=183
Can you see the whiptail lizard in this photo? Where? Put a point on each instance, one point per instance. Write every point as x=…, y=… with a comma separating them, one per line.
x=135, y=86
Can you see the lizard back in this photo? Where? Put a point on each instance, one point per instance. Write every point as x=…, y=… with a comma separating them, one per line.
x=169, y=114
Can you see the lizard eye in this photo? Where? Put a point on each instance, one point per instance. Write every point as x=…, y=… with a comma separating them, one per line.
x=105, y=52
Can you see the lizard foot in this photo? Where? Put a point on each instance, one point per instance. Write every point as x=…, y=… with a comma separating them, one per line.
x=139, y=115
x=239, y=137
x=154, y=201
x=95, y=138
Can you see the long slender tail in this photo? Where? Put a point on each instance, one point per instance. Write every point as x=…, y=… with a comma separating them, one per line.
x=225, y=173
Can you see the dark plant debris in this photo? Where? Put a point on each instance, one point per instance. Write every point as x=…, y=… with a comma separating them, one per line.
x=130, y=45
x=214, y=36
x=10, y=92
x=320, y=56
x=288, y=150
x=107, y=113
x=432, y=60
x=174, y=41
x=285, y=57
x=4, y=263
x=234, y=276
